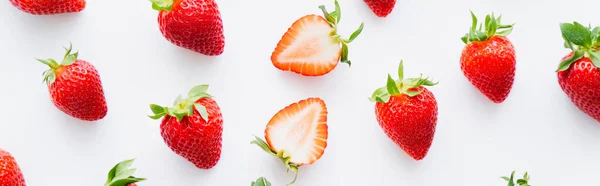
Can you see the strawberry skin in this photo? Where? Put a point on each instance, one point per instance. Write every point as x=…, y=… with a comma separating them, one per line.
x=407, y=113
x=75, y=87
x=488, y=59
x=381, y=8
x=311, y=46
x=579, y=71
x=580, y=83
x=297, y=134
x=10, y=173
x=193, y=128
x=192, y=24
x=49, y=7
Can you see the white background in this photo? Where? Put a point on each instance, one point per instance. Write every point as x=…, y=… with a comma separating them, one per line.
x=537, y=129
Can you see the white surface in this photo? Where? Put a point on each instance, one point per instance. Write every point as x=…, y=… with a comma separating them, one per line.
x=537, y=129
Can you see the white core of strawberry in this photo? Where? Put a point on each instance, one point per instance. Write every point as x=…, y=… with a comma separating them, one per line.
x=296, y=134
x=312, y=43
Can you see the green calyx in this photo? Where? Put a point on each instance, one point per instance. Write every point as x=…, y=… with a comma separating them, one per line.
x=282, y=155
x=334, y=18
x=122, y=175
x=583, y=41
x=491, y=27
x=401, y=86
x=162, y=5
x=520, y=182
x=68, y=59
x=261, y=182
x=184, y=107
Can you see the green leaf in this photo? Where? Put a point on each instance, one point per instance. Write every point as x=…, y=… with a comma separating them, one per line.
x=380, y=95
x=202, y=110
x=577, y=34
x=465, y=38
x=413, y=93
x=121, y=174
x=401, y=70
x=157, y=109
x=263, y=145
x=356, y=33
x=391, y=86
x=338, y=12
x=487, y=22
x=345, y=54
x=595, y=57
x=481, y=36
x=493, y=27
x=565, y=64
x=261, y=182
x=328, y=16
x=505, y=32
x=505, y=178
x=162, y=5
x=197, y=90
x=474, y=19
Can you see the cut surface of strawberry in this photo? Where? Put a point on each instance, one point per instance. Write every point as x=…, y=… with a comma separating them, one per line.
x=297, y=134
x=311, y=46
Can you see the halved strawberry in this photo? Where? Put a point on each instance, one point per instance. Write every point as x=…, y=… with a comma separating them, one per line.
x=297, y=134
x=311, y=46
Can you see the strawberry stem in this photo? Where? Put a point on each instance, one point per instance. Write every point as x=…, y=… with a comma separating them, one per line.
x=334, y=18
x=184, y=107
x=282, y=155
x=409, y=86
x=162, y=5
x=583, y=41
x=492, y=28
x=122, y=175
x=68, y=59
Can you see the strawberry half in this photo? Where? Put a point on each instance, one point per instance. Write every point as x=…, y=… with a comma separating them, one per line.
x=122, y=175
x=297, y=134
x=311, y=46
x=579, y=72
x=407, y=113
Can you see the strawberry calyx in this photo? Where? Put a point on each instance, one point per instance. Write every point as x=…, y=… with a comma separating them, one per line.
x=162, y=5
x=184, y=107
x=68, y=59
x=122, y=175
x=261, y=182
x=408, y=86
x=583, y=41
x=492, y=27
x=521, y=182
x=282, y=155
x=334, y=18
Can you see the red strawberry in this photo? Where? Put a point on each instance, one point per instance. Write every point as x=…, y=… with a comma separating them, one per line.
x=10, y=173
x=192, y=24
x=407, y=113
x=49, y=7
x=193, y=127
x=311, y=46
x=75, y=87
x=381, y=8
x=297, y=134
x=488, y=59
x=122, y=175
x=579, y=73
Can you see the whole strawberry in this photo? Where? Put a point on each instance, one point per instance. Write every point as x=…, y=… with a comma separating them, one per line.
x=122, y=175
x=75, y=87
x=579, y=73
x=488, y=58
x=193, y=127
x=381, y=8
x=10, y=173
x=311, y=46
x=49, y=7
x=407, y=113
x=192, y=24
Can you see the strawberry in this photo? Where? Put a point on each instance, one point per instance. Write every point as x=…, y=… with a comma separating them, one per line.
x=297, y=134
x=488, y=58
x=122, y=175
x=75, y=87
x=192, y=24
x=261, y=182
x=520, y=182
x=407, y=113
x=578, y=73
x=381, y=8
x=311, y=46
x=49, y=7
x=193, y=127
x=10, y=173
